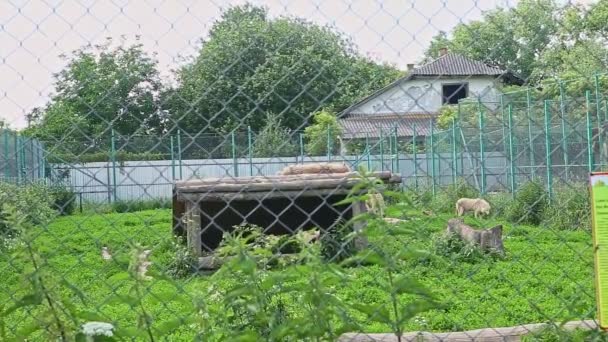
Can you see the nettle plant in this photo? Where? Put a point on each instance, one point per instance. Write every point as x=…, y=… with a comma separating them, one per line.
x=398, y=310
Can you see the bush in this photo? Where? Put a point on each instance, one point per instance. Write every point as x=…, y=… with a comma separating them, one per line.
x=184, y=262
x=569, y=207
x=500, y=203
x=316, y=134
x=451, y=247
x=274, y=140
x=64, y=199
x=446, y=197
x=529, y=204
x=338, y=243
x=32, y=202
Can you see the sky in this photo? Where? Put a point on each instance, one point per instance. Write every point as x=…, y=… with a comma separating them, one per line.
x=33, y=34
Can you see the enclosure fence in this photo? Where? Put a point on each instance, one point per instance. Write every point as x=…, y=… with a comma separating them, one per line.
x=281, y=171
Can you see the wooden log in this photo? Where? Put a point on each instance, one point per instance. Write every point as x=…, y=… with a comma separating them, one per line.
x=383, y=175
x=270, y=186
x=258, y=196
x=482, y=335
x=487, y=239
x=314, y=168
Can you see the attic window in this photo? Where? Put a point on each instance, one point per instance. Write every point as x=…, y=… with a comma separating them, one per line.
x=453, y=92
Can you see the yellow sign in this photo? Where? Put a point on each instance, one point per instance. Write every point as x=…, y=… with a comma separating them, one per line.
x=599, y=203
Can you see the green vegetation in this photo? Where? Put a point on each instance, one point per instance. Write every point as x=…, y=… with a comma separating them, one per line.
x=555, y=334
x=323, y=131
x=546, y=274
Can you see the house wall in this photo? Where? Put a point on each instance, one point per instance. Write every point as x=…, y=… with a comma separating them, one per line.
x=424, y=95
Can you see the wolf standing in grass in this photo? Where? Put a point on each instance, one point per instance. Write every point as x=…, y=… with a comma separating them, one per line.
x=478, y=205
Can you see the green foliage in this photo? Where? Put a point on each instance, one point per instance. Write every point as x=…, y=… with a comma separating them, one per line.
x=287, y=244
x=500, y=203
x=55, y=313
x=569, y=207
x=64, y=199
x=139, y=205
x=273, y=140
x=448, y=114
x=558, y=334
x=445, y=198
x=338, y=243
x=32, y=203
x=529, y=204
x=323, y=131
x=315, y=295
x=184, y=262
x=453, y=248
x=100, y=84
x=538, y=40
x=70, y=158
x=252, y=63
x=513, y=37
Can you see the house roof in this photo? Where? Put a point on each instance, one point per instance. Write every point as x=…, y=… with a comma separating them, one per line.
x=452, y=64
x=357, y=126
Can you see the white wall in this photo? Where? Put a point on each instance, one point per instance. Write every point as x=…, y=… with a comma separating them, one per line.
x=424, y=95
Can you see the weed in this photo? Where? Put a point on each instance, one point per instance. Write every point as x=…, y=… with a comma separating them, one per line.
x=529, y=204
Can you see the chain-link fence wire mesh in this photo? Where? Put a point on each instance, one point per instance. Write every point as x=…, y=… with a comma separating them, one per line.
x=280, y=186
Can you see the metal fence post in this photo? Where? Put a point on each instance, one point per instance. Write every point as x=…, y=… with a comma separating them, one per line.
x=396, y=150
x=548, y=149
x=381, y=150
x=113, y=159
x=562, y=108
x=369, y=157
x=530, y=141
x=43, y=160
x=390, y=149
x=302, y=147
x=589, y=132
x=17, y=158
x=481, y=149
x=511, y=154
x=172, y=160
x=235, y=165
x=328, y=144
x=415, y=152
x=599, y=116
x=432, y=157
x=454, y=166
x=179, y=153
x=6, y=158
x=250, y=150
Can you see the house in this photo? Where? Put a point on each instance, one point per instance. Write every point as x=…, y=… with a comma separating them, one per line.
x=413, y=101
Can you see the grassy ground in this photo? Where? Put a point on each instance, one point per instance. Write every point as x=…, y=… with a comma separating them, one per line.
x=547, y=275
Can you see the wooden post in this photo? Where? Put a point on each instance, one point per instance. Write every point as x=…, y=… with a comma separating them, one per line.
x=359, y=208
x=193, y=228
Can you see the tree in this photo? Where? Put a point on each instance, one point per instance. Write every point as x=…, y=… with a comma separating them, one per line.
x=100, y=88
x=512, y=39
x=274, y=140
x=251, y=64
x=323, y=132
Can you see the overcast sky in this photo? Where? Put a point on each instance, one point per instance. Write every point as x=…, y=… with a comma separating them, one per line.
x=34, y=33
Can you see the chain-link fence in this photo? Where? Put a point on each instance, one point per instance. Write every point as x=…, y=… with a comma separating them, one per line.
x=256, y=172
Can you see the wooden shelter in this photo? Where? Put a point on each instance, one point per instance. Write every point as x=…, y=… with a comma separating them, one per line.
x=203, y=209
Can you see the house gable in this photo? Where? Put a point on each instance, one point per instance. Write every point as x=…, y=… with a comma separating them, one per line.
x=424, y=95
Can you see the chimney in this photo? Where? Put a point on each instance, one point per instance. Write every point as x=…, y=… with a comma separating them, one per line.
x=443, y=51
x=410, y=67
